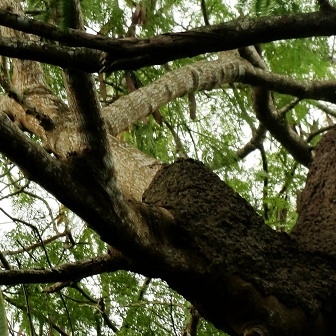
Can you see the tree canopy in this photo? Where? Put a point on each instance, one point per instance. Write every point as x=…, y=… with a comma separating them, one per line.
x=167, y=167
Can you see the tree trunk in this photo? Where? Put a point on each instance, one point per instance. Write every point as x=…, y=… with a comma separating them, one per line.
x=244, y=276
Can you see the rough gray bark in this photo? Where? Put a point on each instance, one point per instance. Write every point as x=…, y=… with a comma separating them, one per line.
x=248, y=277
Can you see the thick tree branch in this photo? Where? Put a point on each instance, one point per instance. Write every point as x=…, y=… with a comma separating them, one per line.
x=135, y=53
x=207, y=75
x=319, y=197
x=249, y=264
x=63, y=56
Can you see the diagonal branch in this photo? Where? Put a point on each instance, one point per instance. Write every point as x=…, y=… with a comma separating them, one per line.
x=206, y=75
x=36, y=245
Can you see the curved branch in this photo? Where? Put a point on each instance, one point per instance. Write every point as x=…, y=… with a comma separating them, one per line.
x=265, y=112
x=255, y=142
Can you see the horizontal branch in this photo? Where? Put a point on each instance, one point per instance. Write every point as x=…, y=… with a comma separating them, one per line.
x=132, y=53
x=207, y=75
x=303, y=89
x=64, y=56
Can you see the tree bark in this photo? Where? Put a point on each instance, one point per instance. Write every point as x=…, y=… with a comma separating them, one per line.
x=246, y=276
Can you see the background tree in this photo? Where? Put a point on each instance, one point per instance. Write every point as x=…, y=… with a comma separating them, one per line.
x=103, y=233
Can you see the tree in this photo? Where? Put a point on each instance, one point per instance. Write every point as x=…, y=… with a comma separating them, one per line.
x=97, y=121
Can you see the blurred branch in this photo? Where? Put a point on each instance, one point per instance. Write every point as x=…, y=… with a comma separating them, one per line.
x=66, y=272
x=289, y=106
x=107, y=320
x=17, y=191
x=35, y=245
x=325, y=109
x=4, y=261
x=326, y=6
x=318, y=132
x=191, y=327
x=205, y=13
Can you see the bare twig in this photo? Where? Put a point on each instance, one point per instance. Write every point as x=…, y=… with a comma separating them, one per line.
x=4, y=261
x=318, y=132
x=34, y=228
x=67, y=312
x=288, y=107
x=47, y=320
x=180, y=151
x=35, y=245
x=66, y=272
